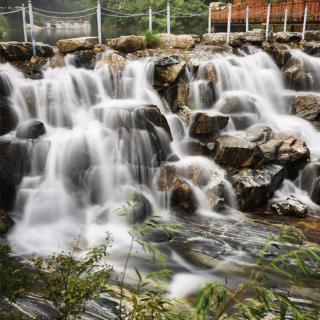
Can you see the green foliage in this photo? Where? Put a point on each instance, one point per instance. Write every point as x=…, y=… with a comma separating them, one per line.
x=152, y=39
x=68, y=282
x=14, y=279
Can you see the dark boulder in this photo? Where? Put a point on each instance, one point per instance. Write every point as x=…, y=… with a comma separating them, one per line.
x=8, y=117
x=254, y=187
x=312, y=48
x=142, y=208
x=292, y=206
x=237, y=152
x=6, y=222
x=85, y=59
x=205, y=126
x=5, y=84
x=30, y=129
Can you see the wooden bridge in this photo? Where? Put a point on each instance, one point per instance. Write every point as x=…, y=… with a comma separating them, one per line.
x=258, y=12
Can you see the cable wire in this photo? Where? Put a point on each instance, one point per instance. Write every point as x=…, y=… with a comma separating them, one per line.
x=10, y=12
x=64, y=12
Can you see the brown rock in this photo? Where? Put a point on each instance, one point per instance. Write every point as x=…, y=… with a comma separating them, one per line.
x=128, y=43
x=75, y=44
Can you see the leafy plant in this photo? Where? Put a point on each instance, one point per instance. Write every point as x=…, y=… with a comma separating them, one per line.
x=69, y=282
x=152, y=39
x=254, y=298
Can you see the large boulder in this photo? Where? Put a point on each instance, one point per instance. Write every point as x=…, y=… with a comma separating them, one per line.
x=76, y=44
x=254, y=187
x=312, y=35
x=167, y=70
x=115, y=62
x=85, y=59
x=214, y=38
x=237, y=152
x=298, y=74
x=8, y=117
x=14, y=162
x=287, y=37
x=128, y=44
x=205, y=126
x=307, y=107
x=292, y=206
x=30, y=129
x=255, y=36
x=18, y=51
x=284, y=149
x=182, y=41
x=142, y=208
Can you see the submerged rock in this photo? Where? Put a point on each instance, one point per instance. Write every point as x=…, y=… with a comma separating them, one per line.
x=114, y=61
x=307, y=107
x=128, y=43
x=237, y=152
x=76, y=44
x=205, y=126
x=292, y=206
x=8, y=117
x=254, y=187
x=30, y=129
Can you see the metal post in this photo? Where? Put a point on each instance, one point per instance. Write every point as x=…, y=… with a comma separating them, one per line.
x=24, y=24
x=209, y=19
x=229, y=22
x=150, y=19
x=99, y=21
x=285, y=20
x=247, y=19
x=268, y=21
x=168, y=18
x=304, y=22
x=33, y=40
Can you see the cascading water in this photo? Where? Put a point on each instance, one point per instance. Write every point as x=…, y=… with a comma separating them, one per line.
x=100, y=146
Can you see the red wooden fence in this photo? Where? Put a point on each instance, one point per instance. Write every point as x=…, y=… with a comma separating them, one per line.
x=258, y=12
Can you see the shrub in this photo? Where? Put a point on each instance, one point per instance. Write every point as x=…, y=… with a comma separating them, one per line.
x=152, y=39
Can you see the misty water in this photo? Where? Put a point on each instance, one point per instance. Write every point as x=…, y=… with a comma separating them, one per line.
x=97, y=151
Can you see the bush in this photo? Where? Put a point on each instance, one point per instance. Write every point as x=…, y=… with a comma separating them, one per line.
x=152, y=39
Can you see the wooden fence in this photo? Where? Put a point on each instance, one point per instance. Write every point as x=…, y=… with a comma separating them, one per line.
x=258, y=12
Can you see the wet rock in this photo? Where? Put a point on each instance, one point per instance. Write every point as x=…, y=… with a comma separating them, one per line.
x=215, y=190
x=167, y=70
x=76, y=44
x=287, y=37
x=297, y=74
x=182, y=198
x=128, y=43
x=57, y=60
x=309, y=180
x=292, y=206
x=259, y=134
x=6, y=222
x=204, y=126
x=14, y=162
x=30, y=129
x=5, y=84
x=237, y=152
x=254, y=187
x=32, y=68
x=8, y=117
x=115, y=62
x=280, y=53
x=312, y=48
x=255, y=36
x=284, y=149
x=313, y=35
x=85, y=59
x=307, y=107
x=194, y=148
x=142, y=208
x=184, y=113
x=210, y=73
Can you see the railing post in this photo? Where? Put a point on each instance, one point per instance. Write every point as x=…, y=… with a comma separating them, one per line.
x=99, y=22
x=150, y=19
x=24, y=24
x=168, y=18
x=285, y=20
x=229, y=22
x=247, y=19
x=268, y=21
x=210, y=19
x=33, y=40
x=304, y=22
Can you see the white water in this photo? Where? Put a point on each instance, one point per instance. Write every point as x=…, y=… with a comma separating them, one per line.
x=94, y=153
